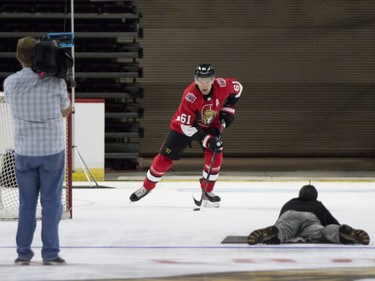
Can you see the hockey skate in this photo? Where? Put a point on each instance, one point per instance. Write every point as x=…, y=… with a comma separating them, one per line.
x=211, y=200
x=268, y=235
x=349, y=235
x=138, y=194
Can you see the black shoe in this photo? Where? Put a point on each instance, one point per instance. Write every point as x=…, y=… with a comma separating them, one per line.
x=349, y=235
x=268, y=235
x=138, y=194
x=56, y=261
x=19, y=261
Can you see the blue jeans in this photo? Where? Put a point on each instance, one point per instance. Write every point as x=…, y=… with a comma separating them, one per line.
x=39, y=175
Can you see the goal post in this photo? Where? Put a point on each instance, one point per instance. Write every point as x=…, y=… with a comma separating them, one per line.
x=9, y=196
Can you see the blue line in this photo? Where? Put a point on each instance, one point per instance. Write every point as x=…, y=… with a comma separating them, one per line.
x=281, y=190
x=265, y=247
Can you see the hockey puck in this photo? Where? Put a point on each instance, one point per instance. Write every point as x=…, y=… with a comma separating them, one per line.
x=196, y=209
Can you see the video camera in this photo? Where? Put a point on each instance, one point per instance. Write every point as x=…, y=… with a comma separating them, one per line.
x=52, y=57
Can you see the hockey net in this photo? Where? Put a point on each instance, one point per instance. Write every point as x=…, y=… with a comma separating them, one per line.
x=9, y=201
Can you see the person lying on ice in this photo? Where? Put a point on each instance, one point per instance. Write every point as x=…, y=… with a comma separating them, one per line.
x=306, y=220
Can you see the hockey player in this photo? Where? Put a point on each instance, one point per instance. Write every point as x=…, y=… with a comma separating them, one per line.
x=206, y=103
x=305, y=219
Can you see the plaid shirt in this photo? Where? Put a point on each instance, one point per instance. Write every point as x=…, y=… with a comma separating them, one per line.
x=36, y=106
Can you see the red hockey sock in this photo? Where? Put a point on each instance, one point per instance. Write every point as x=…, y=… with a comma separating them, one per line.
x=159, y=167
x=214, y=172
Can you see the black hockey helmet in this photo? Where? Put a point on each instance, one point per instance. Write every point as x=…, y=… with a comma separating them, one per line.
x=204, y=70
x=308, y=192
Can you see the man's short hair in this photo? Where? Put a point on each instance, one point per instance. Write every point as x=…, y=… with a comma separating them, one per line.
x=25, y=50
x=308, y=192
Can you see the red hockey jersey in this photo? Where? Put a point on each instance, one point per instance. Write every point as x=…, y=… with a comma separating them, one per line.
x=198, y=112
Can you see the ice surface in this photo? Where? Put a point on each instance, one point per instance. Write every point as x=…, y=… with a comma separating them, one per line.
x=161, y=235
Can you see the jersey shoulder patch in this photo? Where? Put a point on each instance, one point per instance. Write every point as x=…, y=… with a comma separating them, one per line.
x=222, y=83
x=190, y=97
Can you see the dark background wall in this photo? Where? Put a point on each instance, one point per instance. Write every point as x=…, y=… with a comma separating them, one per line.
x=307, y=67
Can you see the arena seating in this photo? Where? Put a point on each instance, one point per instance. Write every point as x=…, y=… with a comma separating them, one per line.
x=106, y=59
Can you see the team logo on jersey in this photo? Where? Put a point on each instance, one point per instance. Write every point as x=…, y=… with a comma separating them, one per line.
x=190, y=97
x=208, y=114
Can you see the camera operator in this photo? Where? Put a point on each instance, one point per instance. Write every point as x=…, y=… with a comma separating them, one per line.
x=38, y=106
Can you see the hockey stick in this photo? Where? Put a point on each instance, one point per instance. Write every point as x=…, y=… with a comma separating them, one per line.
x=199, y=202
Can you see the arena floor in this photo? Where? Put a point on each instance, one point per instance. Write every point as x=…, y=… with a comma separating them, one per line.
x=162, y=238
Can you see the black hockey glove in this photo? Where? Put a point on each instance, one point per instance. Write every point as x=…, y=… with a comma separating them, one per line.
x=213, y=143
x=226, y=115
